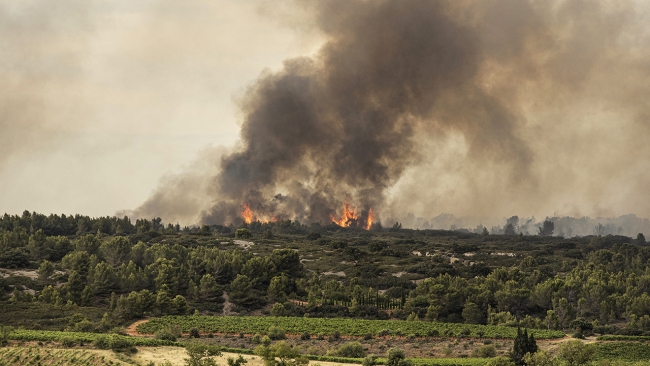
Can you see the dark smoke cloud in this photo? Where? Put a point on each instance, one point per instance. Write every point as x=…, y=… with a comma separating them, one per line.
x=399, y=84
x=340, y=125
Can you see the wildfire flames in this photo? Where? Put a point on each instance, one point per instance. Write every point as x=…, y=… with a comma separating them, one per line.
x=350, y=218
x=371, y=217
x=249, y=217
x=247, y=214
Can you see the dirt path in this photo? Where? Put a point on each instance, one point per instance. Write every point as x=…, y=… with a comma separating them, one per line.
x=130, y=330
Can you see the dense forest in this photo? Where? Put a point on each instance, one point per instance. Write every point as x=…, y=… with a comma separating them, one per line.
x=95, y=274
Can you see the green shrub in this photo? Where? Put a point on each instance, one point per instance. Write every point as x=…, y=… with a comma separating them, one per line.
x=165, y=335
x=336, y=335
x=68, y=342
x=194, y=333
x=102, y=342
x=485, y=351
x=276, y=333
x=351, y=350
x=119, y=343
x=465, y=332
x=305, y=336
x=370, y=360
x=384, y=332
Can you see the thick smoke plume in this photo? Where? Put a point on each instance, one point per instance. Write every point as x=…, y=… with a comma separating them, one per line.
x=491, y=88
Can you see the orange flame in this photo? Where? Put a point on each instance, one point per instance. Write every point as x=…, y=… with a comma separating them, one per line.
x=348, y=217
x=249, y=217
x=247, y=214
x=371, y=218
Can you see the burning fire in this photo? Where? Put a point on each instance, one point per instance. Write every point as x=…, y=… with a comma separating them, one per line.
x=350, y=218
x=247, y=214
x=249, y=217
x=371, y=217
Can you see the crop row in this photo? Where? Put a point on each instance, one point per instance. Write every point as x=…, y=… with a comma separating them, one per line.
x=44, y=356
x=449, y=361
x=415, y=361
x=326, y=326
x=72, y=338
x=624, y=338
x=623, y=351
x=381, y=360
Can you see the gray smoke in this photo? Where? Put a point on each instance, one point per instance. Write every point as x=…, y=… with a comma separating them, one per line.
x=395, y=79
x=341, y=125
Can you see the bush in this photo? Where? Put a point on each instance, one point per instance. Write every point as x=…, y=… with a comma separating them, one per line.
x=165, y=335
x=194, y=333
x=84, y=326
x=384, y=332
x=102, y=342
x=448, y=333
x=266, y=341
x=351, y=350
x=369, y=360
x=5, y=332
x=367, y=337
x=335, y=336
x=396, y=357
x=257, y=339
x=243, y=233
x=433, y=333
x=486, y=351
x=68, y=342
x=305, y=336
x=276, y=333
x=119, y=343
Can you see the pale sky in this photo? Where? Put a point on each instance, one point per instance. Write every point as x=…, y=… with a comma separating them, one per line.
x=100, y=99
x=113, y=105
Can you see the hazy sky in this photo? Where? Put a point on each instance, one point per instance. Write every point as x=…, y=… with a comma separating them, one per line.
x=99, y=99
x=121, y=105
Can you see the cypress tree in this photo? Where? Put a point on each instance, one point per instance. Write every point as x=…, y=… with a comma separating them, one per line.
x=523, y=344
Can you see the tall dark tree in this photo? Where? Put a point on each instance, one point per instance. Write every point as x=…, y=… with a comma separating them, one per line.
x=523, y=345
x=547, y=228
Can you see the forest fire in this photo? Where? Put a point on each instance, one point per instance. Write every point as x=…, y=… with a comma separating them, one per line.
x=350, y=218
x=247, y=214
x=371, y=217
x=249, y=217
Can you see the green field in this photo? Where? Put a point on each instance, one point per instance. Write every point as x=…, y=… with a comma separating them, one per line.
x=326, y=326
x=78, y=338
x=623, y=351
x=46, y=356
